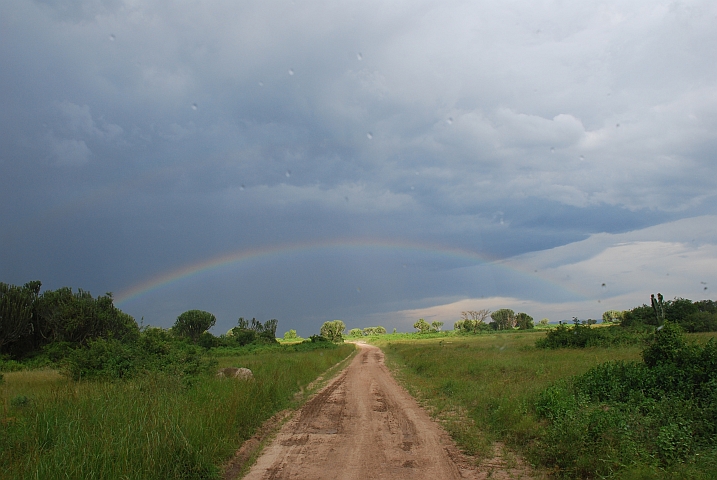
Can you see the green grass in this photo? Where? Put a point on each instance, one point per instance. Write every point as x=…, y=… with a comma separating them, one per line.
x=154, y=426
x=482, y=386
x=484, y=389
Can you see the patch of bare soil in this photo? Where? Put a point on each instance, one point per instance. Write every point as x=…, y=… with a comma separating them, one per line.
x=363, y=425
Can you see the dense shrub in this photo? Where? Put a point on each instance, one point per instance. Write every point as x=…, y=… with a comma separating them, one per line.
x=581, y=336
x=154, y=351
x=657, y=412
x=692, y=316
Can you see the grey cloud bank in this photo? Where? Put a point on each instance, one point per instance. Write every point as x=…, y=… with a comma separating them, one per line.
x=141, y=137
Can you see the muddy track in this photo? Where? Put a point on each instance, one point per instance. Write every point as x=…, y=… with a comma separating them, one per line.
x=362, y=425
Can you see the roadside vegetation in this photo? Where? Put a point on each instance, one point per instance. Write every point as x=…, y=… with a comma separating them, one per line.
x=88, y=393
x=633, y=398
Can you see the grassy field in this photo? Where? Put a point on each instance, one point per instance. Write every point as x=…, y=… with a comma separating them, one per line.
x=154, y=426
x=484, y=388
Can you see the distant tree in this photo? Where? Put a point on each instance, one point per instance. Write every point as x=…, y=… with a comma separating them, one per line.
x=355, y=332
x=17, y=311
x=394, y=329
x=269, y=330
x=544, y=322
x=643, y=315
x=422, y=326
x=472, y=320
x=78, y=317
x=192, y=323
x=504, y=319
x=436, y=326
x=290, y=335
x=333, y=330
x=679, y=309
x=612, y=316
x=374, y=331
x=524, y=321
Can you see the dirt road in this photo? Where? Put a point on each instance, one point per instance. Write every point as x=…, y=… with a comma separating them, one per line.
x=362, y=425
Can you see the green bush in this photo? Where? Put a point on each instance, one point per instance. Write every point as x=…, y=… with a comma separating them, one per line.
x=582, y=336
x=655, y=413
x=155, y=351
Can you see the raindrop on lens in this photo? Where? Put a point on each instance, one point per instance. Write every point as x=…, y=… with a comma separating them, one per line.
x=288, y=173
x=242, y=187
x=369, y=135
x=112, y=37
x=359, y=56
x=617, y=125
x=552, y=149
x=261, y=84
x=450, y=121
x=194, y=106
x=582, y=158
x=291, y=71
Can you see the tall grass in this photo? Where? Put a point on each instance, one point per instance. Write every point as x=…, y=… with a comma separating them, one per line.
x=155, y=426
x=482, y=386
x=485, y=388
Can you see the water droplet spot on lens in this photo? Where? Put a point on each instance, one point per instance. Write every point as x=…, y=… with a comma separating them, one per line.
x=582, y=157
x=291, y=71
x=412, y=187
x=288, y=173
x=358, y=289
x=552, y=149
x=112, y=37
x=261, y=84
x=369, y=135
x=194, y=106
x=450, y=121
x=359, y=56
x=347, y=199
x=242, y=187
x=617, y=125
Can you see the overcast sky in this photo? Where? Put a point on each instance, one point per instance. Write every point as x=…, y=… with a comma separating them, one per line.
x=368, y=161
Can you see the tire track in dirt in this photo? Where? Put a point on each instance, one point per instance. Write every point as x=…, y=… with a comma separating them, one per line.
x=363, y=425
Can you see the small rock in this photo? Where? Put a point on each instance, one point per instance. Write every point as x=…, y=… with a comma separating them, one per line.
x=234, y=372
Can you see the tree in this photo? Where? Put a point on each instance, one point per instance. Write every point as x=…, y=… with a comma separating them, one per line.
x=355, y=332
x=374, y=331
x=472, y=319
x=422, y=326
x=436, y=326
x=16, y=311
x=79, y=317
x=612, y=316
x=333, y=330
x=290, y=335
x=524, y=321
x=504, y=319
x=544, y=322
x=192, y=323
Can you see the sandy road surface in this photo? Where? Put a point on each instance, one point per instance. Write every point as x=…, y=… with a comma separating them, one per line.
x=362, y=425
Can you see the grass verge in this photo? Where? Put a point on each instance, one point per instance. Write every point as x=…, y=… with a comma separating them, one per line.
x=153, y=426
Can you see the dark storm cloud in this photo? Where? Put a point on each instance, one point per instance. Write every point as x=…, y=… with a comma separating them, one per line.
x=141, y=136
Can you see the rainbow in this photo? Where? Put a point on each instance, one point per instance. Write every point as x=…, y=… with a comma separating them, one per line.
x=244, y=255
